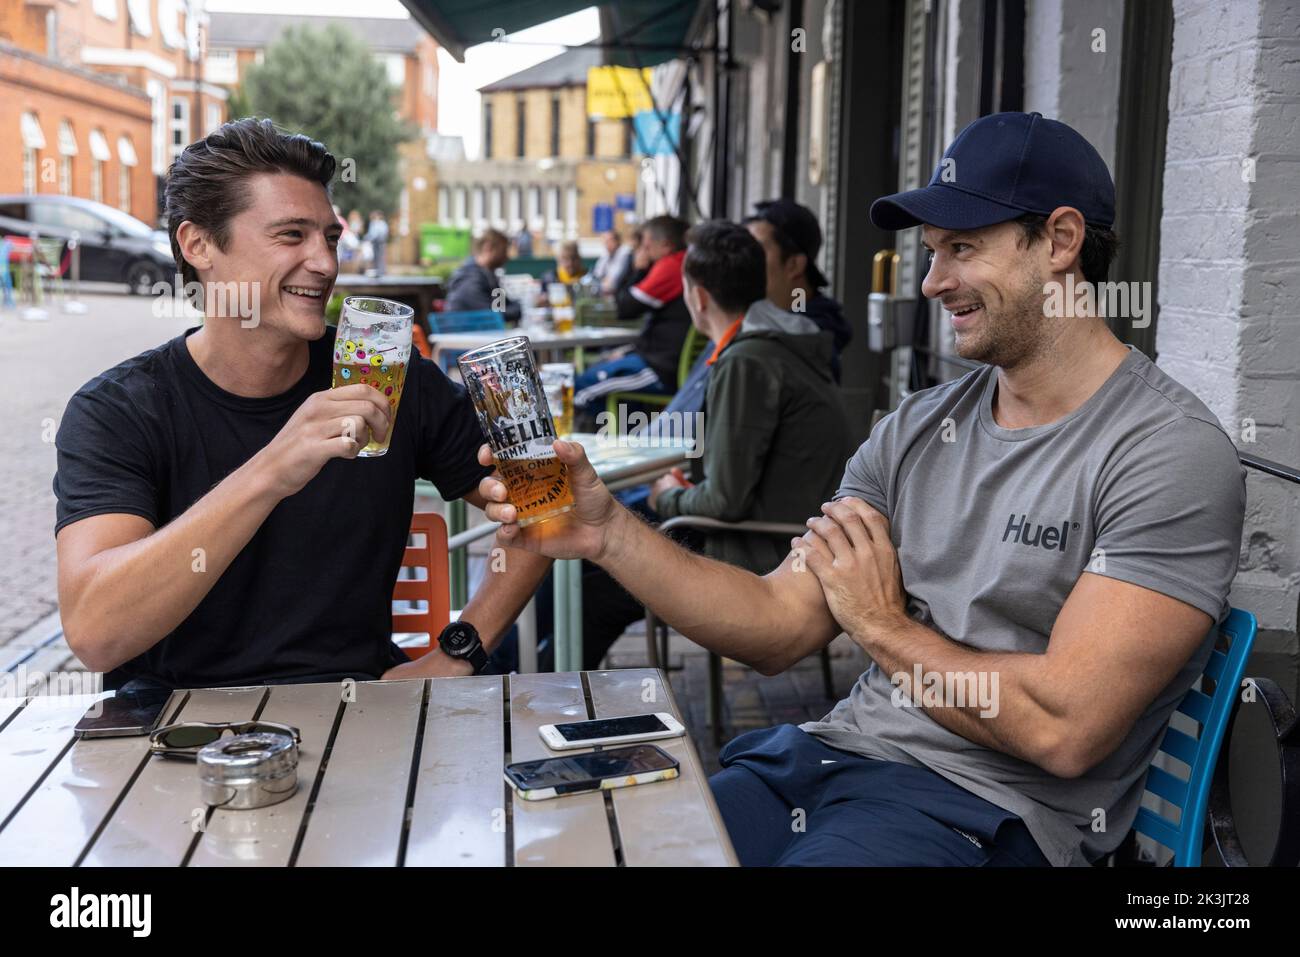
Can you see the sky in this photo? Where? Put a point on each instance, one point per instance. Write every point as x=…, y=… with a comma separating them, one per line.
x=458, y=100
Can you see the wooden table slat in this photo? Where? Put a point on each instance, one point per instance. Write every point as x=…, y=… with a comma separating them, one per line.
x=667, y=823
x=266, y=836
x=57, y=822
x=569, y=831
x=159, y=817
x=33, y=740
x=458, y=817
x=358, y=815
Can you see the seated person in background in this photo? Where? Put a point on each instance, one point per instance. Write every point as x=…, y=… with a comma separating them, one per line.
x=568, y=266
x=775, y=439
x=473, y=287
x=614, y=262
x=650, y=363
x=791, y=239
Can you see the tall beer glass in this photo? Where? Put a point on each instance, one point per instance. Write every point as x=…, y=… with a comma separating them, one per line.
x=373, y=347
x=507, y=392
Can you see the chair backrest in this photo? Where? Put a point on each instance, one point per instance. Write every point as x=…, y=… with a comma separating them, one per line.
x=483, y=320
x=1191, y=796
x=434, y=588
x=694, y=344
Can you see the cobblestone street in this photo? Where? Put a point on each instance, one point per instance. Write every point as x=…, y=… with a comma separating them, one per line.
x=46, y=363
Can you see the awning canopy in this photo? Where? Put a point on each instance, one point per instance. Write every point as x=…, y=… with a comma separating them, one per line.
x=33, y=138
x=633, y=32
x=126, y=151
x=99, y=146
x=67, y=139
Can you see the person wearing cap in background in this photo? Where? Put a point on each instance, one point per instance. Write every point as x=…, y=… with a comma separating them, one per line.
x=1034, y=556
x=791, y=240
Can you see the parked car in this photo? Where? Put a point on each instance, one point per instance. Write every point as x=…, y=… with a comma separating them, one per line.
x=115, y=246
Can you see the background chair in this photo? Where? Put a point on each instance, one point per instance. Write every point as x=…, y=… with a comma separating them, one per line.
x=692, y=346
x=657, y=650
x=482, y=320
x=432, y=590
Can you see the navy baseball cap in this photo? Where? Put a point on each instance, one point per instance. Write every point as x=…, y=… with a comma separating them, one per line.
x=1001, y=167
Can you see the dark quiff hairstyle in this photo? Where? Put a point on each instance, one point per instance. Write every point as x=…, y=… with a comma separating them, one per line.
x=207, y=183
x=728, y=262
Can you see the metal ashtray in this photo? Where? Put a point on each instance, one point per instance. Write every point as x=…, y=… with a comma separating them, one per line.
x=248, y=770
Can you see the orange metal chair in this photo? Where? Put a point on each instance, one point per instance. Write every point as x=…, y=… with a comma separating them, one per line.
x=434, y=589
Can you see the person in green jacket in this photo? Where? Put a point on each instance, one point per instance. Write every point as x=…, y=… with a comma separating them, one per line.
x=775, y=435
x=774, y=438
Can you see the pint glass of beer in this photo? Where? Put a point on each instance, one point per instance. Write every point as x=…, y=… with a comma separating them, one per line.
x=512, y=409
x=373, y=347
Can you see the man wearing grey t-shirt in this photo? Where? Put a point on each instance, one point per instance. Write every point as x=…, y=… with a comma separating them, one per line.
x=1034, y=556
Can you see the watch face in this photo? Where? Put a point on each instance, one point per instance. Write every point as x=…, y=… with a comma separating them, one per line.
x=457, y=638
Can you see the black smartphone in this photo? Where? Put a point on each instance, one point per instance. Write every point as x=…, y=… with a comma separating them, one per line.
x=123, y=715
x=593, y=771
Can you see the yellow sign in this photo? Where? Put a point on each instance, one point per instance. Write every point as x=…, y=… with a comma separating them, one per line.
x=616, y=92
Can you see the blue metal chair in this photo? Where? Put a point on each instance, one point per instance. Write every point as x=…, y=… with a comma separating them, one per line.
x=1214, y=713
x=482, y=320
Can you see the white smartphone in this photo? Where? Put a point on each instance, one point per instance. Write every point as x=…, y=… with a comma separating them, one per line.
x=602, y=731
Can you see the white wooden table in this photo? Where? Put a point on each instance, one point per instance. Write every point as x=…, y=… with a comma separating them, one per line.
x=414, y=777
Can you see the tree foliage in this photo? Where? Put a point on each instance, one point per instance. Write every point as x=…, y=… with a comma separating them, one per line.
x=325, y=83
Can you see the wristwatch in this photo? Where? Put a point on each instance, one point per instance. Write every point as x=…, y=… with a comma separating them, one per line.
x=460, y=640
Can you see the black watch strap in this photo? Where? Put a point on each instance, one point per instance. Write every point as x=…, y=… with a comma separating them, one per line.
x=478, y=658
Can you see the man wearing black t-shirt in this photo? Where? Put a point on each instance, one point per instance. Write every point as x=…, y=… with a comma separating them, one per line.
x=215, y=526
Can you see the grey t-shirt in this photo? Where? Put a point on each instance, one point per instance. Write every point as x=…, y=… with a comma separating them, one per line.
x=994, y=526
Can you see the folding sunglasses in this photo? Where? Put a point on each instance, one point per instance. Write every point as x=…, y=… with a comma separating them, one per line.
x=184, y=739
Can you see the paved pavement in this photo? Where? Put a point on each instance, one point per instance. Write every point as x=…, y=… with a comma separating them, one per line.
x=45, y=363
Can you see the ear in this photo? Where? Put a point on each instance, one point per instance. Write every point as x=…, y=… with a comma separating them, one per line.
x=1065, y=228
x=196, y=247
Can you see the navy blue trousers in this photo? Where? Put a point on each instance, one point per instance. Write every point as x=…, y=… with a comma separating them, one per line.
x=789, y=800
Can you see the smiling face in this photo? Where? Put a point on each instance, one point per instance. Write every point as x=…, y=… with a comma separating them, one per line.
x=993, y=290
x=285, y=241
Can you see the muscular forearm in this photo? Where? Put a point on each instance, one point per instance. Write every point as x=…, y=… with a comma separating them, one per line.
x=991, y=698
x=512, y=578
x=131, y=597
x=728, y=610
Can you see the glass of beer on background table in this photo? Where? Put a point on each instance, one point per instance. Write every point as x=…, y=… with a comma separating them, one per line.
x=502, y=380
x=557, y=380
x=373, y=348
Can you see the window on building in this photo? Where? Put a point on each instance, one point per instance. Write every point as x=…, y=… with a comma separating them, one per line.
x=159, y=132
x=395, y=63
x=138, y=12
x=591, y=136
x=521, y=127
x=555, y=125
x=487, y=129
x=33, y=141
x=105, y=8
x=99, y=155
x=214, y=118
x=67, y=150
x=178, y=127
x=169, y=24
x=571, y=212
x=516, y=208
x=220, y=66
x=535, y=220
x=127, y=157
x=554, y=227
x=462, y=216
x=496, y=212
x=629, y=137
x=477, y=209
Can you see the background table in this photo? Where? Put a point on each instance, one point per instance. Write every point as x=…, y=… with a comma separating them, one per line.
x=582, y=337
x=419, y=292
x=414, y=777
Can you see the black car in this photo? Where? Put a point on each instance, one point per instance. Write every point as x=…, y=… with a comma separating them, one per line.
x=115, y=246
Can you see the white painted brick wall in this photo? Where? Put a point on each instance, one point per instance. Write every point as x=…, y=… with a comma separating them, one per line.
x=1230, y=260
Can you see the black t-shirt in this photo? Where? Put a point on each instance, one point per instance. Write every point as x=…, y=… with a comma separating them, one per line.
x=310, y=596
